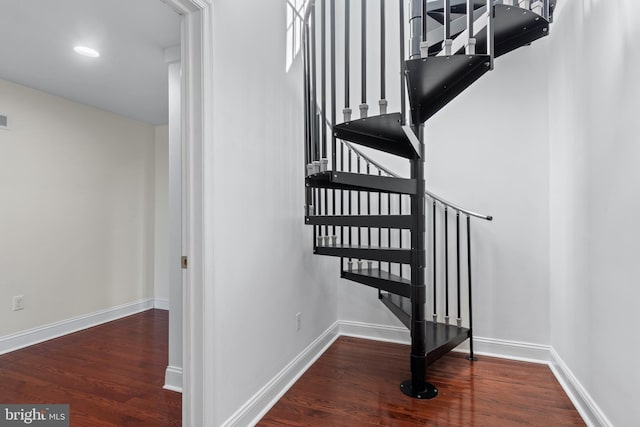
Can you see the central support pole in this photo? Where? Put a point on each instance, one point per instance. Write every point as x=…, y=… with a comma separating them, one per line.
x=417, y=386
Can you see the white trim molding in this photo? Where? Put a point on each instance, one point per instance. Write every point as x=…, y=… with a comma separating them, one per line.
x=199, y=385
x=173, y=379
x=258, y=405
x=369, y=331
x=43, y=333
x=161, y=303
x=581, y=399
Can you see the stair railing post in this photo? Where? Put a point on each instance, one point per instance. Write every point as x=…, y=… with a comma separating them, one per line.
x=545, y=10
x=435, y=276
x=424, y=46
x=332, y=46
x=417, y=386
x=471, y=354
x=459, y=318
x=446, y=265
x=382, y=103
x=403, y=102
x=346, y=112
x=363, y=55
x=471, y=41
x=490, y=32
x=447, y=42
x=415, y=27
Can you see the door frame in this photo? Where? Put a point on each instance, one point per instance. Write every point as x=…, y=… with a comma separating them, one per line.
x=198, y=395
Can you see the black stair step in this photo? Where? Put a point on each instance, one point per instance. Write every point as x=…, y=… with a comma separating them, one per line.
x=440, y=338
x=514, y=28
x=380, y=279
x=361, y=182
x=376, y=221
x=372, y=253
x=384, y=132
x=436, y=80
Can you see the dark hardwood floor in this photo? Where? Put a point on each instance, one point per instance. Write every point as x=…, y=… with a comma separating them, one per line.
x=111, y=375
x=356, y=383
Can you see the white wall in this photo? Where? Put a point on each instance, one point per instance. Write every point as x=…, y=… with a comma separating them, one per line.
x=264, y=268
x=76, y=222
x=488, y=151
x=595, y=197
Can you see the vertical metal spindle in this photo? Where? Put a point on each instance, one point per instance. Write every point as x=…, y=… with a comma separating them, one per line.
x=471, y=355
x=323, y=98
x=490, y=32
x=314, y=88
x=363, y=106
x=403, y=102
x=424, y=46
x=347, y=49
x=359, y=201
x=305, y=58
x=350, y=200
x=332, y=43
x=368, y=208
x=389, y=229
x=346, y=112
x=400, y=231
x=379, y=213
x=323, y=77
x=424, y=20
x=446, y=264
x=546, y=13
x=471, y=43
x=435, y=280
x=383, y=66
x=458, y=260
x=448, y=42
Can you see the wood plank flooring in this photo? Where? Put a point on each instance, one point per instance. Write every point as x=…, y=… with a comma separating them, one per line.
x=111, y=375
x=356, y=383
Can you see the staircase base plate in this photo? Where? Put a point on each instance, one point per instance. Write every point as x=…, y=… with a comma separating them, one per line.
x=429, y=392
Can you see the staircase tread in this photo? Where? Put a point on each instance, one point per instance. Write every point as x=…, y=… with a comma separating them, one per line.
x=374, y=221
x=382, y=132
x=380, y=279
x=366, y=247
x=436, y=80
x=361, y=182
x=380, y=274
x=514, y=27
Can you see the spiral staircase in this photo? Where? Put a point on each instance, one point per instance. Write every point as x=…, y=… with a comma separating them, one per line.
x=388, y=230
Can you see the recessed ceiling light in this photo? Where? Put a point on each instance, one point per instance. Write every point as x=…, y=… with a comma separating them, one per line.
x=87, y=51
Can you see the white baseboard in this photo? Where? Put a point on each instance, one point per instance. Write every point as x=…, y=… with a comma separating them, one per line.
x=396, y=334
x=37, y=335
x=581, y=399
x=173, y=379
x=161, y=303
x=505, y=349
x=252, y=411
x=258, y=405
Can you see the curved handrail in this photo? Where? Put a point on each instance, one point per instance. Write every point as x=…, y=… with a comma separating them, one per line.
x=433, y=196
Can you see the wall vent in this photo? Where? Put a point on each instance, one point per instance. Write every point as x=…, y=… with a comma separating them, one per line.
x=3, y=122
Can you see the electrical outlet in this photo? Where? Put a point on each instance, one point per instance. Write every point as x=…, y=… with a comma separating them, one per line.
x=298, y=321
x=18, y=302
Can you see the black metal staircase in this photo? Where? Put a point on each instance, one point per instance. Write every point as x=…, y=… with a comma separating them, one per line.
x=389, y=232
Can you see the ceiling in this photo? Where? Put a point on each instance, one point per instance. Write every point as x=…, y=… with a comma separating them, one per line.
x=129, y=78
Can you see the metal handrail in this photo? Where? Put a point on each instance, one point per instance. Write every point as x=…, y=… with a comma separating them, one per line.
x=433, y=196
